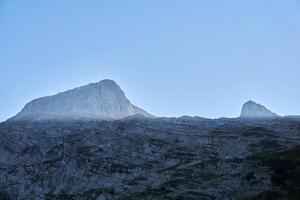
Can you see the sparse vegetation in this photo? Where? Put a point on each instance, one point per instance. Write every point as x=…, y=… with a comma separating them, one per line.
x=149, y=159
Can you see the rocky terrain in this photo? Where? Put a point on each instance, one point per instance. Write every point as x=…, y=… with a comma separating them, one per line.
x=91, y=143
x=143, y=158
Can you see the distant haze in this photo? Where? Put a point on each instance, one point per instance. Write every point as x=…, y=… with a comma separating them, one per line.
x=171, y=58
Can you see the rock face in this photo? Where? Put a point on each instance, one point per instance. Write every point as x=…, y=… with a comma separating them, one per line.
x=150, y=159
x=102, y=100
x=254, y=110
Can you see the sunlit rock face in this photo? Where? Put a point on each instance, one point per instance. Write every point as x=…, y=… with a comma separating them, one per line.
x=102, y=100
x=254, y=110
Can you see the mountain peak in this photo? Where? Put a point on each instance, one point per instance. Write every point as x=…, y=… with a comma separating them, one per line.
x=106, y=82
x=250, y=102
x=103, y=83
x=101, y=100
x=252, y=109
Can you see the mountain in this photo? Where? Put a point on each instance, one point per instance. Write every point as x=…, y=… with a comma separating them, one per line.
x=252, y=109
x=102, y=100
x=144, y=158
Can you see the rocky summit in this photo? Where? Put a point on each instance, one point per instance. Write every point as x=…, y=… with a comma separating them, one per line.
x=252, y=109
x=102, y=100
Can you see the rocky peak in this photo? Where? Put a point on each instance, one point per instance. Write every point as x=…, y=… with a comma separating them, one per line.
x=102, y=100
x=252, y=109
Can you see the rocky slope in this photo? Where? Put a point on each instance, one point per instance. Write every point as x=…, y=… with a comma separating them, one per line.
x=143, y=158
x=102, y=100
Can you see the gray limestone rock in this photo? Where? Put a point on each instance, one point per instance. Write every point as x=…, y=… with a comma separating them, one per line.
x=102, y=100
x=254, y=110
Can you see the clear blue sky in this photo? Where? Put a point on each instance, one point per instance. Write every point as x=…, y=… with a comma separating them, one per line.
x=171, y=57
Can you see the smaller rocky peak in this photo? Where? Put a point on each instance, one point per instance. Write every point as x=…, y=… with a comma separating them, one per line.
x=252, y=109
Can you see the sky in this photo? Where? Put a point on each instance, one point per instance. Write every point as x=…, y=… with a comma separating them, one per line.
x=171, y=57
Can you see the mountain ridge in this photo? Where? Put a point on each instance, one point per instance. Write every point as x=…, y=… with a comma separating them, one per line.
x=104, y=100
